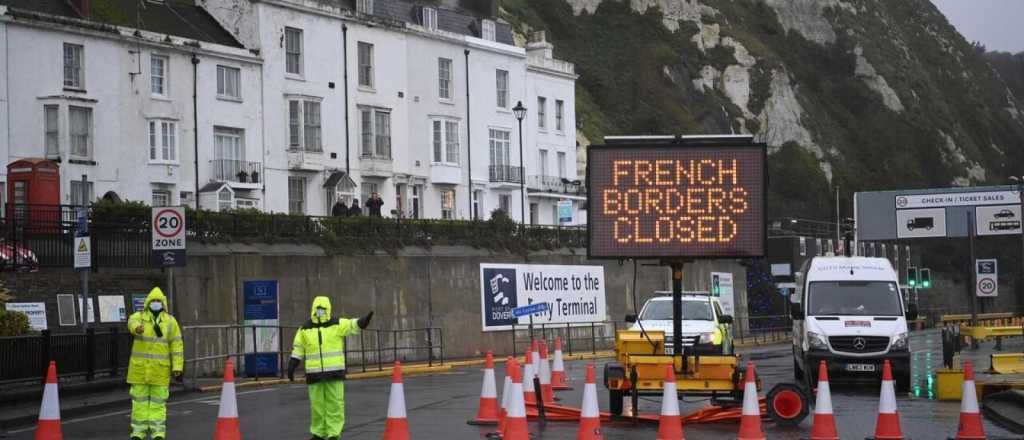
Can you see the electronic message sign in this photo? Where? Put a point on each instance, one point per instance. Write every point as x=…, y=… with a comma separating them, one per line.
x=677, y=201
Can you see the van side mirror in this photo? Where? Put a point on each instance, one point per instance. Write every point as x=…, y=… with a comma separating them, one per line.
x=725, y=319
x=631, y=318
x=911, y=312
x=796, y=312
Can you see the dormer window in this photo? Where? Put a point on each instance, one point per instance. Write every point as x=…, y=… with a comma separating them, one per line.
x=430, y=19
x=364, y=6
x=487, y=30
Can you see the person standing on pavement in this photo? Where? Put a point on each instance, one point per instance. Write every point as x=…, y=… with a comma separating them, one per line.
x=355, y=211
x=374, y=203
x=339, y=209
x=157, y=354
x=321, y=344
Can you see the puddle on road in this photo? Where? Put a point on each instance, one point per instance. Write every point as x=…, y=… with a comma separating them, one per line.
x=922, y=368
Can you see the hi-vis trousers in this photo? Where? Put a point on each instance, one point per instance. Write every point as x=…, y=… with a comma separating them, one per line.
x=149, y=410
x=327, y=408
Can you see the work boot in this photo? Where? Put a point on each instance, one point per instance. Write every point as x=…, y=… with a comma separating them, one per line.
x=136, y=437
x=316, y=437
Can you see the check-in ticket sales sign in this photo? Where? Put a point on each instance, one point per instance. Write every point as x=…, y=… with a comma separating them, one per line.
x=664, y=201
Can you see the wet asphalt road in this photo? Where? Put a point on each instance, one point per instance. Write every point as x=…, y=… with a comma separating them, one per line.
x=439, y=406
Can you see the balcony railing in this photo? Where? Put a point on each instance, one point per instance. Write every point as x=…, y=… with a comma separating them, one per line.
x=506, y=174
x=230, y=170
x=555, y=184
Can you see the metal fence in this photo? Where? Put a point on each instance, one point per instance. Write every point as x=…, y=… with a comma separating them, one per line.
x=583, y=337
x=24, y=359
x=208, y=346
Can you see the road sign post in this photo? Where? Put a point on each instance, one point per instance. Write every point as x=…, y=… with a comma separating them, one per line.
x=168, y=242
x=83, y=254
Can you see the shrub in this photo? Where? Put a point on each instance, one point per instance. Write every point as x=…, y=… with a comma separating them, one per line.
x=13, y=323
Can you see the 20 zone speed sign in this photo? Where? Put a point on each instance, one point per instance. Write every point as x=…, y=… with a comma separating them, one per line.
x=168, y=228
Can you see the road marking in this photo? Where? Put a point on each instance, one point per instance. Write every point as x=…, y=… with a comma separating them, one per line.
x=126, y=412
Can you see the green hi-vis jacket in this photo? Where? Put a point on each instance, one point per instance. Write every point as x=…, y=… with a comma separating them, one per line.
x=155, y=356
x=321, y=343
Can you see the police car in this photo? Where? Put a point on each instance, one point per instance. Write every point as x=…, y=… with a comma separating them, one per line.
x=704, y=324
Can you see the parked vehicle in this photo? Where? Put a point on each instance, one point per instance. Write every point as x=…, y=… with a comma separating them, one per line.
x=704, y=324
x=848, y=311
x=17, y=257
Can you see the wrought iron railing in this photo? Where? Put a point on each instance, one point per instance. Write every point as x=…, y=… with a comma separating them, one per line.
x=241, y=171
x=505, y=173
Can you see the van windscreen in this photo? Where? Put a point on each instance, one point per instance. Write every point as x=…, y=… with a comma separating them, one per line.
x=662, y=311
x=854, y=298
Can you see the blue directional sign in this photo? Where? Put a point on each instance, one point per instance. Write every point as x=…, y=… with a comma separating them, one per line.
x=530, y=309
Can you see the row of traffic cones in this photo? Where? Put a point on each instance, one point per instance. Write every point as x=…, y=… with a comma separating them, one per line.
x=49, y=425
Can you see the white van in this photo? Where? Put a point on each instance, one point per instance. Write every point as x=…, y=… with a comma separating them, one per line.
x=849, y=312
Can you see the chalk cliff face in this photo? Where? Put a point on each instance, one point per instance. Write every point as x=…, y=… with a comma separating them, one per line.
x=863, y=94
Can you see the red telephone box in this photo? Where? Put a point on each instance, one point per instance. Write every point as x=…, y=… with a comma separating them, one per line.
x=33, y=190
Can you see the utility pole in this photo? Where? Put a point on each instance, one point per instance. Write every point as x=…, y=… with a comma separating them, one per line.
x=83, y=231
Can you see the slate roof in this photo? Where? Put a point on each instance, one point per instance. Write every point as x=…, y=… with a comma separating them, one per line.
x=459, y=21
x=180, y=18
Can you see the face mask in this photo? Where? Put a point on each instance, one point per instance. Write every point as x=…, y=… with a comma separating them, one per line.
x=156, y=306
x=320, y=313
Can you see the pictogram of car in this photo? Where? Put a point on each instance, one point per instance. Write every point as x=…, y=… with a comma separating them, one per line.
x=1006, y=213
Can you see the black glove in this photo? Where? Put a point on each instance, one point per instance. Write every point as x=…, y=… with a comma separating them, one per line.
x=365, y=321
x=292, y=365
x=179, y=377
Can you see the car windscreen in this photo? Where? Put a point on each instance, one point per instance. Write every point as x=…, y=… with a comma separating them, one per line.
x=854, y=298
x=662, y=311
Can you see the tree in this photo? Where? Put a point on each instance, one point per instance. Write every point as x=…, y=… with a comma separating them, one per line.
x=11, y=323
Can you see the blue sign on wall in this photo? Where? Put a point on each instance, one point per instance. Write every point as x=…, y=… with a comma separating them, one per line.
x=500, y=296
x=260, y=307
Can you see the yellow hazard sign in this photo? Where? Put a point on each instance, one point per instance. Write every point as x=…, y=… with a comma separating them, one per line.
x=83, y=246
x=83, y=258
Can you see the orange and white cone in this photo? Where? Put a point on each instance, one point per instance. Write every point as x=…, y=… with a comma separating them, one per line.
x=545, y=375
x=515, y=421
x=824, y=421
x=670, y=425
x=505, y=391
x=750, y=420
x=888, y=425
x=48, y=427
x=529, y=371
x=227, y=415
x=558, y=368
x=535, y=357
x=397, y=426
x=590, y=417
x=487, y=414
x=970, y=418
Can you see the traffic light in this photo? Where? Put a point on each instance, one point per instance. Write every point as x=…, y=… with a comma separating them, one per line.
x=926, y=278
x=716, y=287
x=912, y=276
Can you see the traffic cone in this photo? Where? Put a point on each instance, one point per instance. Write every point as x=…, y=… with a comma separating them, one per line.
x=48, y=427
x=529, y=371
x=750, y=420
x=670, y=425
x=397, y=426
x=545, y=375
x=227, y=415
x=888, y=425
x=535, y=357
x=970, y=418
x=515, y=420
x=590, y=417
x=824, y=422
x=488, y=412
x=505, y=391
x=558, y=368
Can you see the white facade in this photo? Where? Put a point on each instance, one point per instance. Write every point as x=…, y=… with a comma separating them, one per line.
x=402, y=119
x=94, y=116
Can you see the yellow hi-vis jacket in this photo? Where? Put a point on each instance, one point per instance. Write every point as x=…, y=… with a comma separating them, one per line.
x=321, y=343
x=155, y=357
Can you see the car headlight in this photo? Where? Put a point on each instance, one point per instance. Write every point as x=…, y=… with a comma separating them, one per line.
x=815, y=340
x=706, y=338
x=900, y=341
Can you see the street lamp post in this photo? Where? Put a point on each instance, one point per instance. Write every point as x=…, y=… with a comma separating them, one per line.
x=1019, y=181
x=520, y=113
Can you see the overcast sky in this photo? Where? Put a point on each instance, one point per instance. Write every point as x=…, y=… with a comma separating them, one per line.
x=998, y=24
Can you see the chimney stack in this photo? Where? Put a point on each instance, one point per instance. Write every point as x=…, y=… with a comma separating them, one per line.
x=538, y=45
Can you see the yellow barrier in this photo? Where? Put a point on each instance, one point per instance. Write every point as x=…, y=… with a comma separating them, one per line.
x=1007, y=363
x=983, y=333
x=982, y=317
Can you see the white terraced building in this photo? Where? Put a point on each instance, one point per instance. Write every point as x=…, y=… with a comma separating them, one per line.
x=300, y=103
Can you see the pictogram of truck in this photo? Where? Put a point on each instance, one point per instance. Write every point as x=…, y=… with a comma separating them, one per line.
x=920, y=223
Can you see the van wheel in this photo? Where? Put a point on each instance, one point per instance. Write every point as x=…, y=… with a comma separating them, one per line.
x=798, y=374
x=615, y=402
